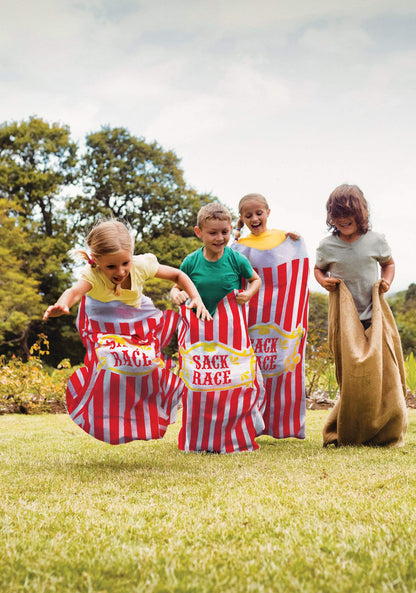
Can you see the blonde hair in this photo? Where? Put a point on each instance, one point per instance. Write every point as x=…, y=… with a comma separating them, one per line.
x=258, y=197
x=247, y=198
x=347, y=200
x=213, y=211
x=105, y=238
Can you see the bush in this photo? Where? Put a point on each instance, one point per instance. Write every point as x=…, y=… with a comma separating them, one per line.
x=28, y=387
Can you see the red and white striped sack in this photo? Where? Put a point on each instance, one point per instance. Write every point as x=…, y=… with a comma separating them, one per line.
x=277, y=324
x=223, y=391
x=125, y=390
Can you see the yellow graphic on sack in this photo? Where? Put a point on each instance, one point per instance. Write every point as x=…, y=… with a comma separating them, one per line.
x=126, y=356
x=210, y=366
x=276, y=350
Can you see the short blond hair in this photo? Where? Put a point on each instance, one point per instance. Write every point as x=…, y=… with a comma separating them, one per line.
x=213, y=211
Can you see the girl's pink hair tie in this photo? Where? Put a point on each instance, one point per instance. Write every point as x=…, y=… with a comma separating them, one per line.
x=91, y=261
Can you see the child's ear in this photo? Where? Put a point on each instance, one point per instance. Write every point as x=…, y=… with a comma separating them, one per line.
x=197, y=231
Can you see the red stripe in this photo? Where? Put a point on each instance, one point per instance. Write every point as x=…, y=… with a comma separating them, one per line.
x=268, y=290
x=109, y=328
x=196, y=413
x=114, y=408
x=222, y=327
x=287, y=412
x=98, y=410
x=281, y=295
x=209, y=402
x=287, y=323
x=236, y=327
x=298, y=398
x=304, y=291
x=193, y=326
x=218, y=421
x=252, y=310
x=130, y=397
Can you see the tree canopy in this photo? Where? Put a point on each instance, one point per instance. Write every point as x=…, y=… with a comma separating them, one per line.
x=139, y=182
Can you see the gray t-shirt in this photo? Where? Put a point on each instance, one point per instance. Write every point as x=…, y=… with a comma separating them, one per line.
x=357, y=264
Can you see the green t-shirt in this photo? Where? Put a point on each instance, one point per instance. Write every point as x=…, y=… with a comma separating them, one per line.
x=215, y=279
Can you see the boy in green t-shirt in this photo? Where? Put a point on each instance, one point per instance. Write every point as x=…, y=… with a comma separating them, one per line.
x=215, y=269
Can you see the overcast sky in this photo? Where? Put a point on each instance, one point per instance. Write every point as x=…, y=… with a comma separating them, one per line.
x=287, y=98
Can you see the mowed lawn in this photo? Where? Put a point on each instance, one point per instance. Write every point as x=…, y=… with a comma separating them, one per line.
x=78, y=515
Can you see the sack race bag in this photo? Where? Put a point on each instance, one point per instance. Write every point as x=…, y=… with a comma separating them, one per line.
x=277, y=325
x=222, y=396
x=125, y=391
x=370, y=372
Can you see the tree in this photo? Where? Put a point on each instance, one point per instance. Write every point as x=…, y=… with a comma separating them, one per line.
x=403, y=306
x=20, y=302
x=37, y=160
x=38, y=163
x=139, y=182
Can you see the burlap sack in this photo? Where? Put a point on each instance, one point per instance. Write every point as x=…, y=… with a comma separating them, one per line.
x=370, y=373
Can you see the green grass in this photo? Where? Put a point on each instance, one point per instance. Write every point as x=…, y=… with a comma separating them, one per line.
x=77, y=515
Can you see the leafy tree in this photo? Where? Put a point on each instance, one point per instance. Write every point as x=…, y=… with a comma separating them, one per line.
x=37, y=160
x=139, y=182
x=37, y=163
x=403, y=305
x=20, y=301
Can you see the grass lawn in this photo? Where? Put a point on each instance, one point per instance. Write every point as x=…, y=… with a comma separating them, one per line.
x=78, y=515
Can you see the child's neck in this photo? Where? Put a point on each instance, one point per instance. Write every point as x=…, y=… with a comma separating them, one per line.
x=349, y=238
x=212, y=255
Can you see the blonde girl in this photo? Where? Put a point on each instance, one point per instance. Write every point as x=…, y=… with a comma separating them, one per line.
x=113, y=273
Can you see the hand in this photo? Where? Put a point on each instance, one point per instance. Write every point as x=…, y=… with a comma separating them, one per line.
x=56, y=311
x=242, y=297
x=202, y=312
x=384, y=285
x=293, y=236
x=179, y=297
x=330, y=284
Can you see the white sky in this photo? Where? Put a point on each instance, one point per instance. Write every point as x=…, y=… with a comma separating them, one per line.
x=285, y=98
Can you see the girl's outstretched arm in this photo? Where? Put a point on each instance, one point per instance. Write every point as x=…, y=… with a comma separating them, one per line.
x=387, y=274
x=184, y=283
x=70, y=297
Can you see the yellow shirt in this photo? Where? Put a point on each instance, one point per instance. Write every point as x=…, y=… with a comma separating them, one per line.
x=143, y=267
x=267, y=240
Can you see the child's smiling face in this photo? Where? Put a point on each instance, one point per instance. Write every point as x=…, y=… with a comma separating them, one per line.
x=215, y=235
x=254, y=215
x=116, y=266
x=347, y=228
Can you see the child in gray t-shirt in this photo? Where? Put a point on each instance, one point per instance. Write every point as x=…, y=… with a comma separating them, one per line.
x=353, y=253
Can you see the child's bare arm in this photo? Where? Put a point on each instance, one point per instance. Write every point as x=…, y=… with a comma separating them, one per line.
x=253, y=287
x=326, y=281
x=70, y=297
x=387, y=274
